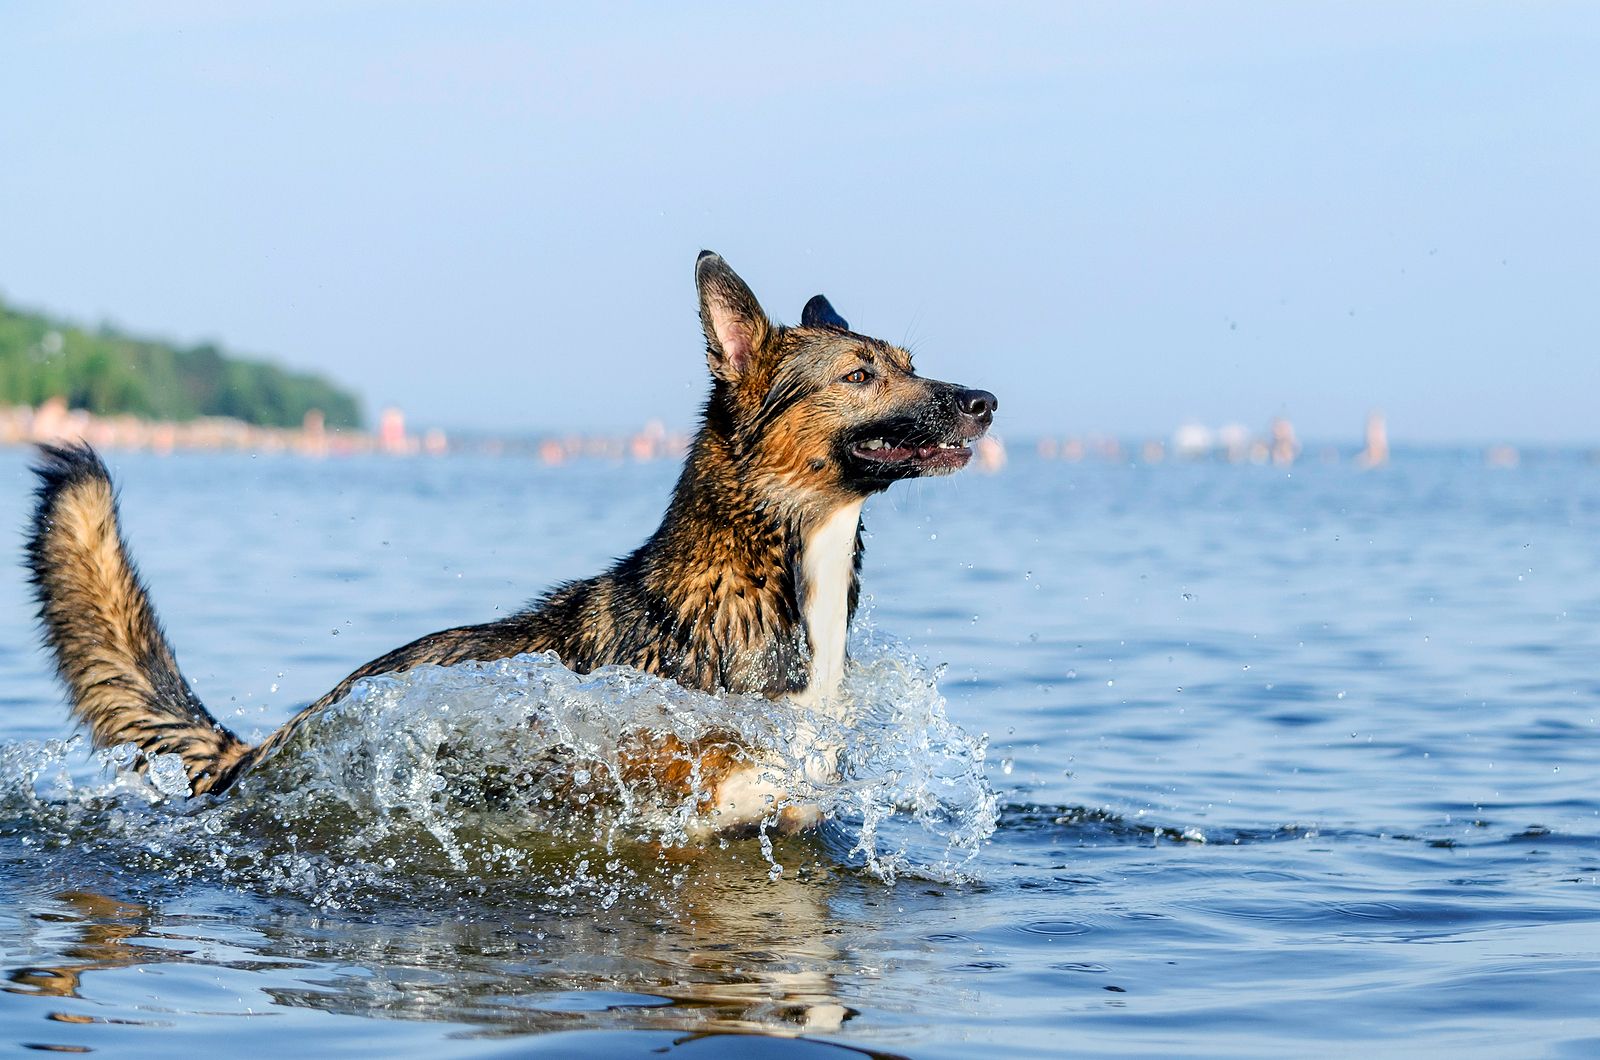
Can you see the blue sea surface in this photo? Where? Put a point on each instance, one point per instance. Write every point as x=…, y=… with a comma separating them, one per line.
x=1285, y=760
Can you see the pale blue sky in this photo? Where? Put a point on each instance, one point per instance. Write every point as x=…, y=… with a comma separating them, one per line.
x=1115, y=216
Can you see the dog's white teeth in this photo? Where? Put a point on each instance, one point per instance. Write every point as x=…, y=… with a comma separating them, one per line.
x=876, y=443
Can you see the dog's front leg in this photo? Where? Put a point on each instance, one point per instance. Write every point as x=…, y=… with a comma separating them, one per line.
x=751, y=796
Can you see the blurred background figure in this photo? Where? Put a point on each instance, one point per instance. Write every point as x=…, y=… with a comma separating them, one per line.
x=1376, y=454
x=1193, y=441
x=991, y=454
x=1285, y=447
x=648, y=443
x=314, y=433
x=1234, y=440
x=50, y=421
x=392, y=431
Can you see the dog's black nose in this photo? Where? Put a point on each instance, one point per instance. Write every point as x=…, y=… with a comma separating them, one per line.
x=979, y=403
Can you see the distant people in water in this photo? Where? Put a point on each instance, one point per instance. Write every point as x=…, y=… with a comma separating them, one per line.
x=991, y=454
x=1376, y=454
x=1285, y=447
x=1234, y=441
x=54, y=421
x=392, y=437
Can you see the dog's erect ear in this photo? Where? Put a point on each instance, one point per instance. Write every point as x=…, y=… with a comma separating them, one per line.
x=736, y=328
x=819, y=314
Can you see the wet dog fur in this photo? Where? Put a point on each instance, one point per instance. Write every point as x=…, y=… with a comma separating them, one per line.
x=748, y=585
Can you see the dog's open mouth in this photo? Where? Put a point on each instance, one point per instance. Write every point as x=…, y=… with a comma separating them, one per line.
x=929, y=456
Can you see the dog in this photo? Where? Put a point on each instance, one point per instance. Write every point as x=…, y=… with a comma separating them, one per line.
x=749, y=584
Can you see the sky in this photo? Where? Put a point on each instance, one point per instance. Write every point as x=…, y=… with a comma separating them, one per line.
x=1117, y=217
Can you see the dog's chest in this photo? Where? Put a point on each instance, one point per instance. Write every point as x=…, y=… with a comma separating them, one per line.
x=828, y=568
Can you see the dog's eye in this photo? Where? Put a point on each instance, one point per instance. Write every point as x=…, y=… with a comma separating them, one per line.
x=860, y=375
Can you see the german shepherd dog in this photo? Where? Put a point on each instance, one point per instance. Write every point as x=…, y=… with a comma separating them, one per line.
x=748, y=585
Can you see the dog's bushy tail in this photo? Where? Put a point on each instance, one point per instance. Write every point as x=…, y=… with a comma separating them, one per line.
x=99, y=624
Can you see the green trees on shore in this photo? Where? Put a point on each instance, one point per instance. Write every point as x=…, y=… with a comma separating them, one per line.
x=107, y=372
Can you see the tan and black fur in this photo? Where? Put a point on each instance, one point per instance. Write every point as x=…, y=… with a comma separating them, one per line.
x=746, y=586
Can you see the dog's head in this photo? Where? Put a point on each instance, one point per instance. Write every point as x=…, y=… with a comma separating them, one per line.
x=822, y=410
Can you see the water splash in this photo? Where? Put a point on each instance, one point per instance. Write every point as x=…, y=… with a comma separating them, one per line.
x=505, y=775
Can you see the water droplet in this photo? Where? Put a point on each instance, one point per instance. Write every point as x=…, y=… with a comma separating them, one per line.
x=166, y=772
x=1005, y=766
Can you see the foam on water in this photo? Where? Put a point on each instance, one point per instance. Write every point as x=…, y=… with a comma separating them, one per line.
x=507, y=773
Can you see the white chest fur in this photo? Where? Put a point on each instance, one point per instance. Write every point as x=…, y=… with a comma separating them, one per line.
x=828, y=567
x=752, y=795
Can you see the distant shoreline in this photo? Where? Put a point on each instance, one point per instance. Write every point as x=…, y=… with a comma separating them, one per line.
x=54, y=423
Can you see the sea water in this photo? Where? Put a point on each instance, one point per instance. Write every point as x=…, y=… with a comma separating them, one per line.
x=1177, y=758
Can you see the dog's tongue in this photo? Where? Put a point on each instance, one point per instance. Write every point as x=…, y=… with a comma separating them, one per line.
x=927, y=451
